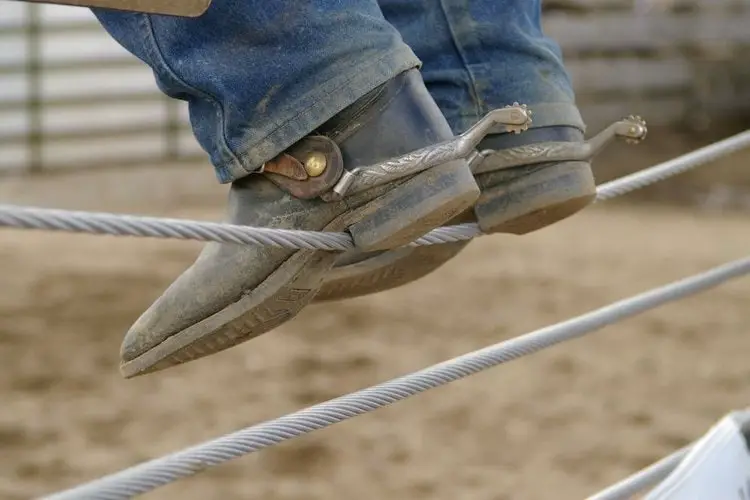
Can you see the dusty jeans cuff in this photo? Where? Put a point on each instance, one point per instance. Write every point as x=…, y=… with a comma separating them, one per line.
x=344, y=86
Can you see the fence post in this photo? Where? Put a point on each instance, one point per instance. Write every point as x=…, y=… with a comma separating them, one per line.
x=34, y=136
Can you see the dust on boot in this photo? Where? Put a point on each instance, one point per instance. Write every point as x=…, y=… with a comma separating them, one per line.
x=528, y=181
x=365, y=171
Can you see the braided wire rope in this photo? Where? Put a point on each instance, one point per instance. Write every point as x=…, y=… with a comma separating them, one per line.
x=161, y=471
x=131, y=225
x=673, y=167
x=122, y=225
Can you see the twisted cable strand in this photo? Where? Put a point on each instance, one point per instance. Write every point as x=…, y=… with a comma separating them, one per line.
x=133, y=225
x=673, y=167
x=158, y=472
x=161, y=471
x=153, y=227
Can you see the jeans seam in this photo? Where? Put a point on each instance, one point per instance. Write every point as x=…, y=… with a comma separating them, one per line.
x=464, y=60
x=152, y=46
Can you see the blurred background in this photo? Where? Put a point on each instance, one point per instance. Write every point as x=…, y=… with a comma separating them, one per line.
x=82, y=126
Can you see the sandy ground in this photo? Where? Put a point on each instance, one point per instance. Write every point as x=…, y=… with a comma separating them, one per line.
x=560, y=424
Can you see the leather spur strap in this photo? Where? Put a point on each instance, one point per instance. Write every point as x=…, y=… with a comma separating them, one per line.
x=182, y=8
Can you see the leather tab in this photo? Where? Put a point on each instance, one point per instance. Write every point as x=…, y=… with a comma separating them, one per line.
x=287, y=166
x=284, y=169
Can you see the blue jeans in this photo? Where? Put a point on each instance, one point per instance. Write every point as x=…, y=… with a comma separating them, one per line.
x=259, y=75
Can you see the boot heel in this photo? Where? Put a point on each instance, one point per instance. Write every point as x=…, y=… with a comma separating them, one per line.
x=536, y=200
x=415, y=207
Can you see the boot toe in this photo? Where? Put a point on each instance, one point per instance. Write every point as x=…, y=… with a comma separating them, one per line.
x=174, y=310
x=194, y=296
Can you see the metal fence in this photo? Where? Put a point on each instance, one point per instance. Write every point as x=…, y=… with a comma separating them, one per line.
x=71, y=97
x=684, y=61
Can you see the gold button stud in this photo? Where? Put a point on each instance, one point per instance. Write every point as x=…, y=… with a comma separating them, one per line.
x=315, y=164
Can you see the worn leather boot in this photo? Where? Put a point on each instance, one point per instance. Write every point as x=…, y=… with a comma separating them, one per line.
x=515, y=200
x=233, y=293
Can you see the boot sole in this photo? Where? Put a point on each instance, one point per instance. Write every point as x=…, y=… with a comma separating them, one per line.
x=521, y=206
x=537, y=200
x=386, y=271
x=422, y=203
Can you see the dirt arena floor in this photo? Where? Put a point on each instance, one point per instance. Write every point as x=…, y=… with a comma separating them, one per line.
x=561, y=424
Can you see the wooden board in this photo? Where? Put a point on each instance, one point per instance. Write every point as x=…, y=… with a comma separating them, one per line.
x=641, y=6
x=610, y=31
x=656, y=112
x=184, y=8
x=629, y=75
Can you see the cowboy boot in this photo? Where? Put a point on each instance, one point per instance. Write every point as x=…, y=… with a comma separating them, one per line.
x=528, y=181
x=233, y=293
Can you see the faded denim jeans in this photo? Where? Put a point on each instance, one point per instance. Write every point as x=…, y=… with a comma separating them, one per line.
x=259, y=75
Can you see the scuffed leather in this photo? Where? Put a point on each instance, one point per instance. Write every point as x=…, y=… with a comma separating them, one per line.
x=396, y=118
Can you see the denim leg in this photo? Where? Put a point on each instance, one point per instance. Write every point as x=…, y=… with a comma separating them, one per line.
x=259, y=75
x=480, y=55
